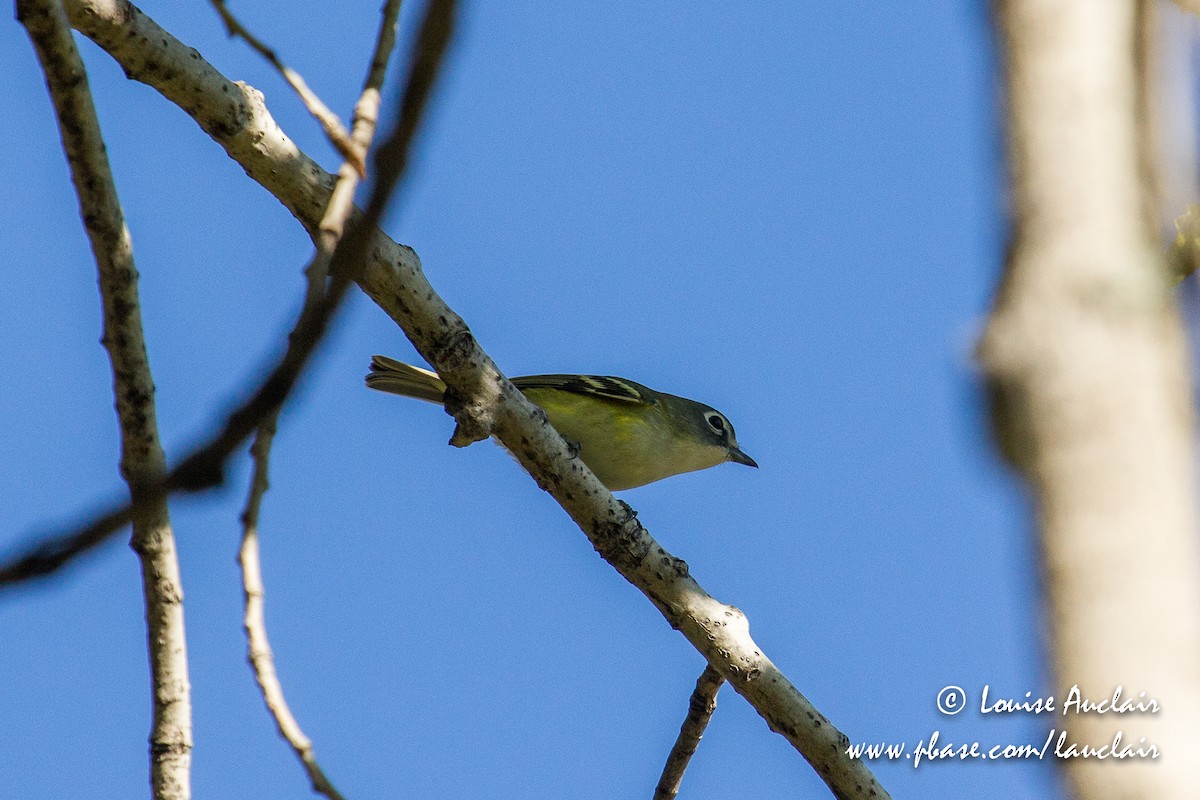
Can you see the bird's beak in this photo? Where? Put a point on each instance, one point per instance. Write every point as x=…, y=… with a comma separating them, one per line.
x=739, y=457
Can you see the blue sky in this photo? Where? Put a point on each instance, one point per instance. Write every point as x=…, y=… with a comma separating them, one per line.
x=792, y=213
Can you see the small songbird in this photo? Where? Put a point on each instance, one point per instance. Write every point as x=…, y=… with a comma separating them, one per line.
x=627, y=434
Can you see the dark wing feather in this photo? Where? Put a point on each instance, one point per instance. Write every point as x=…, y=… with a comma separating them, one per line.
x=605, y=386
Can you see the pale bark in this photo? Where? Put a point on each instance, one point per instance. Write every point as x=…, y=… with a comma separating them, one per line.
x=1088, y=366
x=142, y=459
x=701, y=706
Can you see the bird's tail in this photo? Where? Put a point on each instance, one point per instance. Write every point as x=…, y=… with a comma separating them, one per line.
x=390, y=375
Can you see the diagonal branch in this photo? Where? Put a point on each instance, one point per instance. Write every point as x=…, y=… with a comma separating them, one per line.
x=330, y=123
x=701, y=706
x=142, y=459
x=482, y=400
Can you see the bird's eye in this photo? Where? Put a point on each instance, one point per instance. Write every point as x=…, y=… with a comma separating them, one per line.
x=715, y=421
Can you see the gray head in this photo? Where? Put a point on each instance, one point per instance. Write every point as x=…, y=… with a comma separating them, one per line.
x=712, y=428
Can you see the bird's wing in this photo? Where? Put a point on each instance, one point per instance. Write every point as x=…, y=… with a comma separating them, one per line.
x=604, y=386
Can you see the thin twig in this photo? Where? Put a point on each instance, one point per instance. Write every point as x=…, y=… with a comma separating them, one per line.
x=700, y=710
x=366, y=116
x=391, y=159
x=142, y=458
x=330, y=122
x=204, y=468
x=259, y=647
x=362, y=129
x=254, y=621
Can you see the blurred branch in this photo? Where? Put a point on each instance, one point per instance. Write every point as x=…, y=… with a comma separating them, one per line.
x=331, y=227
x=1146, y=39
x=701, y=706
x=330, y=122
x=204, y=467
x=142, y=459
x=1087, y=366
x=1175, y=111
x=1184, y=255
x=1189, y=5
x=1168, y=97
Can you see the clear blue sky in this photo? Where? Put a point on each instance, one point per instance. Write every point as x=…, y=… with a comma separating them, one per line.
x=789, y=211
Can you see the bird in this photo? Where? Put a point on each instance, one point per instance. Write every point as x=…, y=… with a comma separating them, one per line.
x=627, y=434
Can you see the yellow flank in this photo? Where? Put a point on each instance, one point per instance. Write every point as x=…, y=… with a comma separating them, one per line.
x=625, y=444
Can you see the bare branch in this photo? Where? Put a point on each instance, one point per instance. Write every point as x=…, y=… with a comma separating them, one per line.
x=333, y=223
x=366, y=114
x=49, y=554
x=142, y=459
x=254, y=621
x=482, y=400
x=700, y=710
x=1088, y=368
x=330, y=122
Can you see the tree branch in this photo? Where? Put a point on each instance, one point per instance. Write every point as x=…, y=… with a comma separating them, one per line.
x=1087, y=363
x=142, y=459
x=701, y=706
x=254, y=621
x=330, y=122
x=483, y=401
x=362, y=131
x=333, y=223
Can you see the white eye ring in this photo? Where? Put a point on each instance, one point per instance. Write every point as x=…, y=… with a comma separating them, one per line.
x=716, y=422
